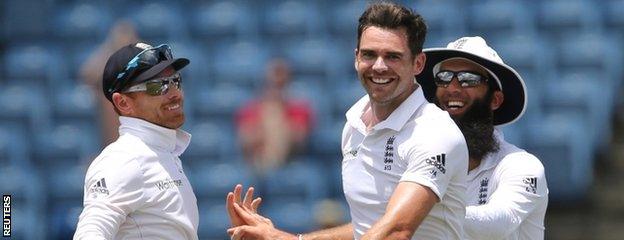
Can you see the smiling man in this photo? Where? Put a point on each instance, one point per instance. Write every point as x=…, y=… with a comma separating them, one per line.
x=404, y=160
x=136, y=188
x=507, y=189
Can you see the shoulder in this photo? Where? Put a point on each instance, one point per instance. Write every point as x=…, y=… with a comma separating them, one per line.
x=521, y=162
x=114, y=174
x=121, y=159
x=522, y=169
x=429, y=115
x=432, y=132
x=433, y=126
x=114, y=165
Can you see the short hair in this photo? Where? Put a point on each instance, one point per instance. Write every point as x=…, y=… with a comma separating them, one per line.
x=394, y=16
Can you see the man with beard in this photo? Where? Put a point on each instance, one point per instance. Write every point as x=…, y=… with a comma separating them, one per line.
x=507, y=191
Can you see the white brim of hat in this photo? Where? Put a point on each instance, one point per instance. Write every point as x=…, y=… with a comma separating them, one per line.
x=511, y=83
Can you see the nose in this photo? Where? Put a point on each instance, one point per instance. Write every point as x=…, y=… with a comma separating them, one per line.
x=174, y=92
x=454, y=85
x=380, y=65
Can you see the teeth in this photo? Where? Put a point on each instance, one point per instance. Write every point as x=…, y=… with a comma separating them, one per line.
x=172, y=107
x=457, y=104
x=381, y=80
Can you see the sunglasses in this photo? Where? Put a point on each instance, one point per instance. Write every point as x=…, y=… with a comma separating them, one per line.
x=145, y=59
x=157, y=86
x=465, y=78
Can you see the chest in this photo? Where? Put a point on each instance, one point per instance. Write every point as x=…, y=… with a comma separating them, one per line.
x=481, y=187
x=372, y=167
x=166, y=180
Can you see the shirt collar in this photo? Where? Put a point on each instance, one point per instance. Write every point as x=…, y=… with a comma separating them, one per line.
x=397, y=119
x=171, y=140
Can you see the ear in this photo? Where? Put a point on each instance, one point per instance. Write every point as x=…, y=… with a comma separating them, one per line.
x=419, y=63
x=355, y=59
x=123, y=104
x=497, y=100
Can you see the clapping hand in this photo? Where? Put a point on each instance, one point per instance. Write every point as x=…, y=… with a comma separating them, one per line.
x=234, y=198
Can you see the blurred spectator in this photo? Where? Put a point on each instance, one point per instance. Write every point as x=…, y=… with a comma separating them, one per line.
x=274, y=126
x=121, y=34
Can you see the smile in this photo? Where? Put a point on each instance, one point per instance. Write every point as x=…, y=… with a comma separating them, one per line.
x=454, y=105
x=381, y=80
x=173, y=107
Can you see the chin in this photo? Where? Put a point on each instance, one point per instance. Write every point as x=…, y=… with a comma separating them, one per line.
x=175, y=122
x=178, y=124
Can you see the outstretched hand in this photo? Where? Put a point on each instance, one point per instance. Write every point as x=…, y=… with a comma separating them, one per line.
x=258, y=227
x=234, y=198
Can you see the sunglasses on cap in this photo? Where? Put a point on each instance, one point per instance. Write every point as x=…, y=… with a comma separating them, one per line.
x=157, y=86
x=465, y=78
x=145, y=59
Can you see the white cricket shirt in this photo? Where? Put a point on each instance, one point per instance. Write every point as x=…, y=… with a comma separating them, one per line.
x=136, y=188
x=419, y=143
x=507, y=195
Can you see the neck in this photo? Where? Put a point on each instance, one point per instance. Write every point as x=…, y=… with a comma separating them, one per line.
x=473, y=163
x=376, y=113
x=380, y=111
x=369, y=118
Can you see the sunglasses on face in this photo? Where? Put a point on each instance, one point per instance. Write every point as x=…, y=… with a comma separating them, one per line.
x=145, y=59
x=465, y=78
x=157, y=86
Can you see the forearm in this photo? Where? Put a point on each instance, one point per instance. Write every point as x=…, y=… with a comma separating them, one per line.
x=388, y=229
x=408, y=207
x=344, y=232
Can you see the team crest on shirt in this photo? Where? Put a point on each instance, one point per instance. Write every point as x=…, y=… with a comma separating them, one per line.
x=531, y=184
x=483, y=189
x=389, y=154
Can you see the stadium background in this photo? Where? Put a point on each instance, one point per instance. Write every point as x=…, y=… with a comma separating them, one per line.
x=568, y=51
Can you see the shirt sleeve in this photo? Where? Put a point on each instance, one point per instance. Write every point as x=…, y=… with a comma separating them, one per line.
x=521, y=188
x=113, y=189
x=436, y=159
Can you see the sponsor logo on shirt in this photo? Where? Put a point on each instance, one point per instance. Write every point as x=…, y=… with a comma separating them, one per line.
x=438, y=161
x=99, y=188
x=531, y=184
x=483, y=191
x=389, y=154
x=168, y=183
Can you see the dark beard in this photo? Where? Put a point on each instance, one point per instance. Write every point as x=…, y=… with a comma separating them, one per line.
x=477, y=125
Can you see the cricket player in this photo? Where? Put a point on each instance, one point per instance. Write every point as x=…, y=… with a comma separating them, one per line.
x=405, y=162
x=507, y=189
x=136, y=188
